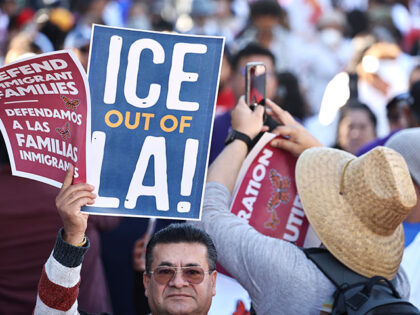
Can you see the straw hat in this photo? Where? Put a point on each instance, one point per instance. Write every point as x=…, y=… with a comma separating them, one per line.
x=356, y=205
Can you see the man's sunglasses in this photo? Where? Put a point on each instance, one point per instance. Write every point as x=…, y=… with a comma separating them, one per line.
x=192, y=274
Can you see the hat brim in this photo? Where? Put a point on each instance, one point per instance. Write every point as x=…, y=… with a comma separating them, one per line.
x=318, y=177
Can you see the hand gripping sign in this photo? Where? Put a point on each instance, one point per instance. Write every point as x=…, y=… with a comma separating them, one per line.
x=153, y=97
x=44, y=116
x=266, y=195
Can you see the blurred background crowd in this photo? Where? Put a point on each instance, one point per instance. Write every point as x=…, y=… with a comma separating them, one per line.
x=327, y=52
x=349, y=70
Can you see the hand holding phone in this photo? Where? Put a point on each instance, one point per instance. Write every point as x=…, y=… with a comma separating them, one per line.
x=255, y=79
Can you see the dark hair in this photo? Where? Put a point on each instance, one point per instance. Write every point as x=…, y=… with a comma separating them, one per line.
x=181, y=233
x=266, y=8
x=289, y=95
x=358, y=21
x=4, y=158
x=394, y=106
x=228, y=54
x=249, y=50
x=415, y=104
x=353, y=104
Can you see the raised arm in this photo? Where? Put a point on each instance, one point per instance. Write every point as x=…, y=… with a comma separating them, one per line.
x=226, y=166
x=59, y=284
x=245, y=253
x=69, y=202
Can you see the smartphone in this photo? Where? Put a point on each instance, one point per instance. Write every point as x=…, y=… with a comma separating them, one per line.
x=255, y=78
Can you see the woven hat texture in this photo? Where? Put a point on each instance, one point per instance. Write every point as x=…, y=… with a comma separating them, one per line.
x=407, y=143
x=361, y=226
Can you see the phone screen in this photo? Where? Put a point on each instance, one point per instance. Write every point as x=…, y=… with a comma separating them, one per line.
x=255, y=83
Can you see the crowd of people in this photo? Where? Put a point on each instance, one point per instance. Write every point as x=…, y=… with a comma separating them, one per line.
x=343, y=94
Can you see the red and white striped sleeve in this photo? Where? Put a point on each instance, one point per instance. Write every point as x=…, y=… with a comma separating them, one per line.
x=59, y=284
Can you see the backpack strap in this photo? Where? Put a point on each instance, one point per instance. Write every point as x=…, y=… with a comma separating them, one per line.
x=353, y=291
x=333, y=269
x=337, y=273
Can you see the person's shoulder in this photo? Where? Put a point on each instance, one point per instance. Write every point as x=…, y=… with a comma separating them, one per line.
x=402, y=284
x=374, y=143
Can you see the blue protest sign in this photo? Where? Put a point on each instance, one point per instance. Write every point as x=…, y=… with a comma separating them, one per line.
x=153, y=97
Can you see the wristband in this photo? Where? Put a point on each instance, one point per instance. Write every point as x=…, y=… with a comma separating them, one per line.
x=234, y=134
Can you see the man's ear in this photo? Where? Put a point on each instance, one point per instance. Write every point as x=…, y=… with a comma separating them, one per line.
x=146, y=282
x=213, y=281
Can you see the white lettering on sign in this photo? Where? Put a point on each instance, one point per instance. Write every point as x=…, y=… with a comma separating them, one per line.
x=16, y=125
x=42, y=89
x=188, y=171
x=94, y=174
x=252, y=189
x=38, y=126
x=294, y=222
x=156, y=147
x=133, y=68
x=46, y=65
x=112, y=67
x=175, y=77
x=66, y=75
x=46, y=112
x=45, y=143
x=46, y=159
x=152, y=147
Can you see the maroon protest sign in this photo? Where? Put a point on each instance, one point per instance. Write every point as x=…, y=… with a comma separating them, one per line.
x=44, y=109
x=266, y=194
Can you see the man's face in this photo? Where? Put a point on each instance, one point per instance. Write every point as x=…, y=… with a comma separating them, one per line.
x=179, y=296
x=239, y=76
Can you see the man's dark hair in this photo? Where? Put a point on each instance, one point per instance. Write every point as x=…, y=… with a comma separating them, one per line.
x=181, y=233
x=249, y=50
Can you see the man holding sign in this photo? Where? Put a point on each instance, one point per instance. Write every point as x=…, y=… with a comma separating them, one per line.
x=277, y=274
x=30, y=124
x=180, y=276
